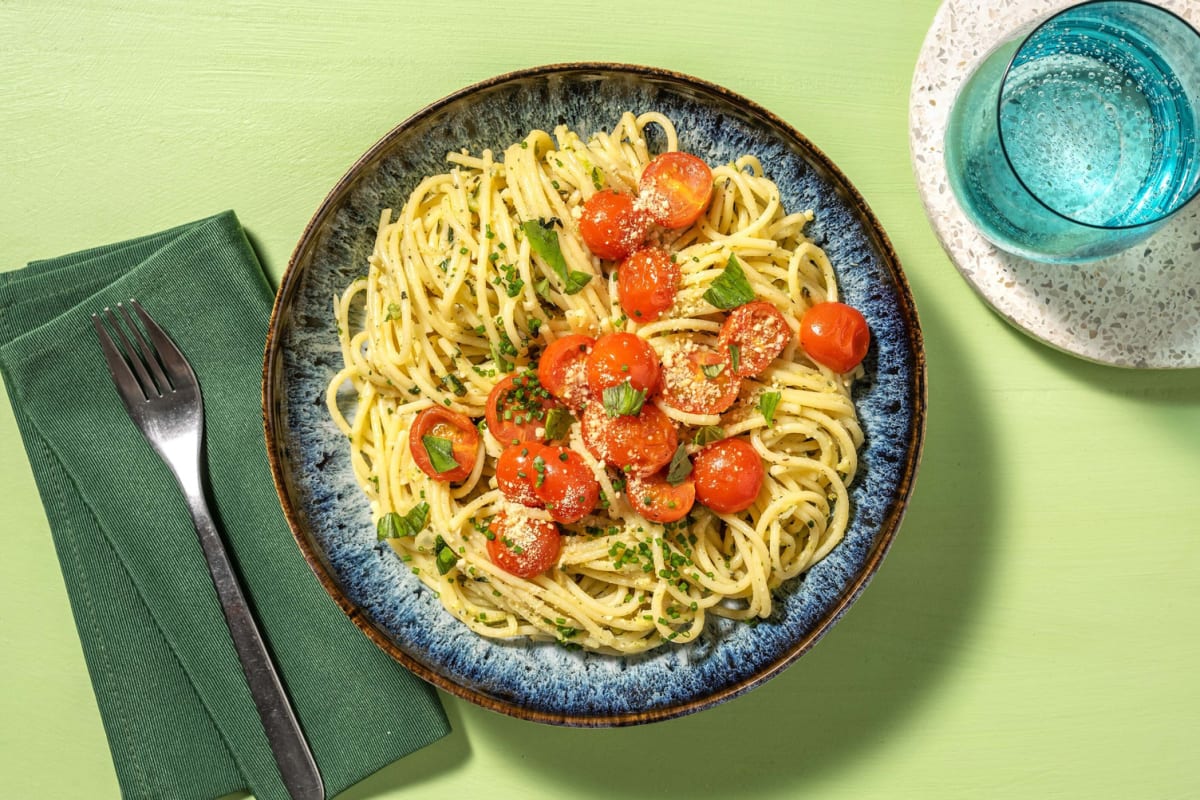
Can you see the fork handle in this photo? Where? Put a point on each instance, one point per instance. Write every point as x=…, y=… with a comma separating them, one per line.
x=288, y=745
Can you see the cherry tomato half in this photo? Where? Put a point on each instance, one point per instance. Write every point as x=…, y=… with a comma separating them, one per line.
x=699, y=381
x=640, y=445
x=659, y=501
x=835, y=335
x=523, y=547
x=565, y=484
x=728, y=475
x=611, y=226
x=442, y=423
x=675, y=188
x=760, y=333
x=562, y=369
x=516, y=409
x=620, y=357
x=646, y=284
x=515, y=473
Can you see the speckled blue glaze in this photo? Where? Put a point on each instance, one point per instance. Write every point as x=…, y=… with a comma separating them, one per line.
x=331, y=518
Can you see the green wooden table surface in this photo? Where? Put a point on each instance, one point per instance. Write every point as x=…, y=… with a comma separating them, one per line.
x=1031, y=634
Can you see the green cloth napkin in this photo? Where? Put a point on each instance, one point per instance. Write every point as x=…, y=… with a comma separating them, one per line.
x=171, y=693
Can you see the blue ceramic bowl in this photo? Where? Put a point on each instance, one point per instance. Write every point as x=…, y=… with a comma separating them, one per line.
x=329, y=514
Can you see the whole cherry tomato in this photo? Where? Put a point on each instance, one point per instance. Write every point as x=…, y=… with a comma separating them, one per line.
x=728, y=475
x=565, y=485
x=620, y=357
x=523, y=546
x=835, y=335
x=646, y=284
x=659, y=501
x=675, y=189
x=562, y=369
x=611, y=226
x=515, y=473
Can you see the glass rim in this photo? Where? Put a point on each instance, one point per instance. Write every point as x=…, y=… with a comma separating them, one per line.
x=1000, y=127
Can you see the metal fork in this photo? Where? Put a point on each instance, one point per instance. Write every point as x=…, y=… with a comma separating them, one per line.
x=162, y=395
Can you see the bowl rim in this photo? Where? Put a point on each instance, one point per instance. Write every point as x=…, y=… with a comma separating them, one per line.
x=888, y=525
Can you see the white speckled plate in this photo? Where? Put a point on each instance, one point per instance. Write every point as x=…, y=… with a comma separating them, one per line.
x=330, y=515
x=1140, y=308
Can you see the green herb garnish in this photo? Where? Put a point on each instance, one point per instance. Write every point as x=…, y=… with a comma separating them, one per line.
x=539, y=466
x=711, y=371
x=680, y=467
x=394, y=311
x=455, y=385
x=543, y=239
x=444, y=556
x=623, y=400
x=735, y=358
x=766, y=404
x=731, y=288
x=558, y=423
x=502, y=363
x=440, y=452
x=708, y=434
x=394, y=526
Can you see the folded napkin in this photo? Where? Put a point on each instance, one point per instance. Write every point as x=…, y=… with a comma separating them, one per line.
x=176, y=709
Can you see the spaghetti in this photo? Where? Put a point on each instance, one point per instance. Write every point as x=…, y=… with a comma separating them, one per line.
x=459, y=295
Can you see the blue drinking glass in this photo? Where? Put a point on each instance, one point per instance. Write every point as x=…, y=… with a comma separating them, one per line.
x=1080, y=139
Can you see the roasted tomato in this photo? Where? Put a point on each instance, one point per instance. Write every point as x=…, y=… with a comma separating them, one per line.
x=699, y=381
x=659, y=501
x=517, y=407
x=611, y=226
x=562, y=369
x=757, y=332
x=565, y=485
x=675, y=189
x=445, y=425
x=523, y=546
x=641, y=444
x=515, y=473
x=728, y=475
x=620, y=357
x=835, y=335
x=646, y=284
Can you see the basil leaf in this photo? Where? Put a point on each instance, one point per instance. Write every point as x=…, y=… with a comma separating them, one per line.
x=440, y=452
x=712, y=370
x=766, y=404
x=731, y=288
x=735, y=357
x=558, y=424
x=576, y=280
x=623, y=400
x=708, y=434
x=394, y=526
x=542, y=288
x=444, y=556
x=680, y=467
x=543, y=240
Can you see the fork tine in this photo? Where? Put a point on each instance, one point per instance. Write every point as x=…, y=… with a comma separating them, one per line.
x=149, y=389
x=147, y=351
x=176, y=365
x=127, y=384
